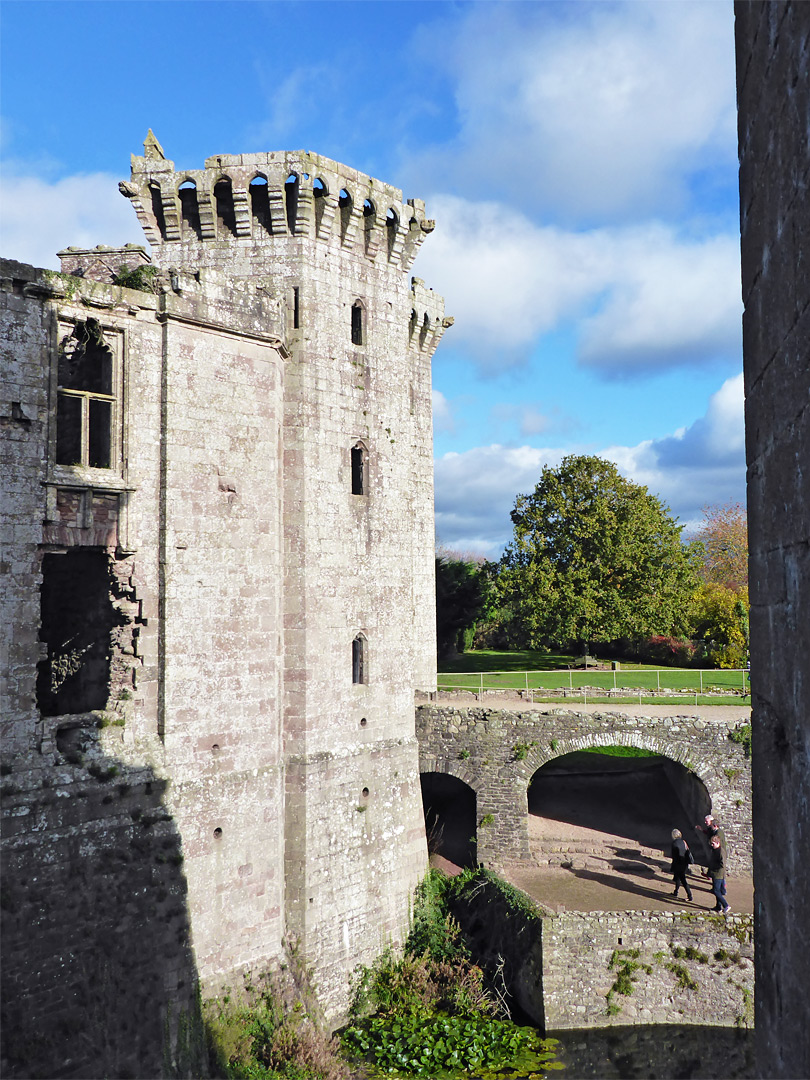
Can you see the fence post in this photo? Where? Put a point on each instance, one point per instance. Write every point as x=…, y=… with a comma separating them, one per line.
x=701, y=683
x=527, y=682
x=658, y=682
x=570, y=680
x=481, y=686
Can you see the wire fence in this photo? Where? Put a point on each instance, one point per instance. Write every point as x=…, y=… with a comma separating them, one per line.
x=705, y=686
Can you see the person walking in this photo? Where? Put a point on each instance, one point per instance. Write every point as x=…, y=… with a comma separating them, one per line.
x=710, y=828
x=682, y=858
x=717, y=873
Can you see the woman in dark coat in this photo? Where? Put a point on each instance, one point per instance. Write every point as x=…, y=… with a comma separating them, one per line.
x=681, y=860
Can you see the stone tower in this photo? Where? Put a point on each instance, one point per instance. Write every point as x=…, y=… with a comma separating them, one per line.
x=220, y=535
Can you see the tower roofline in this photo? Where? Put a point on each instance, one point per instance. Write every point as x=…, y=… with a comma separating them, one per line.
x=262, y=196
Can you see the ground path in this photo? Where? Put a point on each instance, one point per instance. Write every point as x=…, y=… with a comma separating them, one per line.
x=736, y=711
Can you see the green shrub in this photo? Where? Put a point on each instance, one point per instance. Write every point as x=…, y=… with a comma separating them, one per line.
x=428, y=1012
x=270, y=1035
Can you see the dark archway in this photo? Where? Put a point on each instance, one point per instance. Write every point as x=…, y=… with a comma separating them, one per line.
x=450, y=822
x=581, y=795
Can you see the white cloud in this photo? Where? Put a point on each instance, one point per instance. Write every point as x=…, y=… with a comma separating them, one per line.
x=591, y=109
x=39, y=218
x=475, y=492
x=529, y=418
x=646, y=298
x=442, y=413
x=699, y=465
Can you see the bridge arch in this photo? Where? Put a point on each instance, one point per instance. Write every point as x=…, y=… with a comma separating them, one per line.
x=450, y=806
x=497, y=752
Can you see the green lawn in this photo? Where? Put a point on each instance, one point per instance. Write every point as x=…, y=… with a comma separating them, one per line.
x=527, y=670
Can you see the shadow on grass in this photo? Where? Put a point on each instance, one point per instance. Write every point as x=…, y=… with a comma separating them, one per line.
x=491, y=660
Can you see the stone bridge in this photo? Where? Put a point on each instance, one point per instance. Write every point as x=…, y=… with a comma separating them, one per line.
x=494, y=754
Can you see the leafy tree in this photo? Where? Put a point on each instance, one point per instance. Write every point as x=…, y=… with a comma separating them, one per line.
x=595, y=557
x=723, y=540
x=461, y=591
x=721, y=625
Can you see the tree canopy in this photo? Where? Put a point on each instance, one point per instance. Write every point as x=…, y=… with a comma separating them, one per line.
x=724, y=545
x=594, y=557
x=461, y=590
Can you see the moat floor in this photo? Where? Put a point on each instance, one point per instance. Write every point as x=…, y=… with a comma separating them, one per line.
x=626, y=884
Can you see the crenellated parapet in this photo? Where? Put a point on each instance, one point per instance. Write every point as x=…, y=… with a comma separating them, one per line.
x=261, y=198
x=428, y=321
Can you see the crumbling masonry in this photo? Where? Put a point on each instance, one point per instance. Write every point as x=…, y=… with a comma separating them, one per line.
x=218, y=597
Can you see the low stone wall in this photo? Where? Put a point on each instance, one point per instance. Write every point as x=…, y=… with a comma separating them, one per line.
x=573, y=970
x=692, y=969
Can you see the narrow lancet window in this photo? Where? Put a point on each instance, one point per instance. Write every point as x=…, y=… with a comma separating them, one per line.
x=359, y=470
x=358, y=329
x=359, y=660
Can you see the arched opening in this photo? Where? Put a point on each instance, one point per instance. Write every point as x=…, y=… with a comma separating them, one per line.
x=319, y=193
x=391, y=225
x=345, y=204
x=260, y=203
x=369, y=221
x=157, y=209
x=291, y=189
x=450, y=818
x=189, y=210
x=612, y=799
x=226, y=218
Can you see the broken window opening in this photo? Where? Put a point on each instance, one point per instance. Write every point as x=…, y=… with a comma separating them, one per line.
x=189, y=210
x=291, y=188
x=77, y=620
x=412, y=325
x=226, y=216
x=84, y=401
x=359, y=470
x=345, y=203
x=358, y=329
x=157, y=209
x=260, y=203
x=359, y=660
x=296, y=308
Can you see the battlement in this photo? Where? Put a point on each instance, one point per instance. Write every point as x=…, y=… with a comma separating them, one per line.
x=260, y=198
x=428, y=321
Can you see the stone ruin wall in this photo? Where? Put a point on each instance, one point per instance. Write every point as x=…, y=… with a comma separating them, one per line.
x=773, y=94
x=577, y=952
x=224, y=785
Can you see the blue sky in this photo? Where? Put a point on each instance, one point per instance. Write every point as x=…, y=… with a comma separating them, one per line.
x=579, y=159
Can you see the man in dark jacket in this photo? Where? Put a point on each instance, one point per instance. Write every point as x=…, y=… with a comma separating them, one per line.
x=717, y=872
